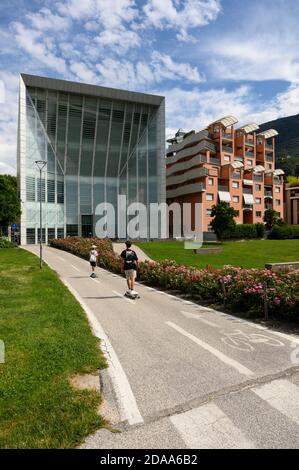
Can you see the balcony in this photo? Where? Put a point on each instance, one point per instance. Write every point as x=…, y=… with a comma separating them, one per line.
x=277, y=181
x=227, y=149
x=239, y=159
x=269, y=158
x=247, y=191
x=268, y=194
x=223, y=188
x=258, y=178
x=249, y=142
x=214, y=161
x=236, y=176
x=247, y=207
x=186, y=189
x=268, y=206
x=249, y=154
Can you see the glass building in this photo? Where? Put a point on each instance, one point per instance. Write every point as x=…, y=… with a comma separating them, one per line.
x=98, y=143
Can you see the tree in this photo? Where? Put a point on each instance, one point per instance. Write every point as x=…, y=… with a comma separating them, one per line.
x=271, y=218
x=223, y=218
x=10, y=207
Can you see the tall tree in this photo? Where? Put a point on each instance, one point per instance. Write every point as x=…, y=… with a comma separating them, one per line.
x=10, y=207
x=271, y=218
x=223, y=218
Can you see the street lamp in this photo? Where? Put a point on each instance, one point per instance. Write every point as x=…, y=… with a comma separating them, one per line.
x=40, y=164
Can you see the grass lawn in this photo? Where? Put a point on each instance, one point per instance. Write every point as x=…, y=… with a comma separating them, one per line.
x=248, y=254
x=47, y=340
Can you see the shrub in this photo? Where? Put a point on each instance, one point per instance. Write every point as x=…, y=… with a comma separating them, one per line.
x=5, y=243
x=283, y=232
x=241, y=289
x=247, y=231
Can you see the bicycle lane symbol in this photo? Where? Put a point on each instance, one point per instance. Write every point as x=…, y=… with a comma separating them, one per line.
x=237, y=339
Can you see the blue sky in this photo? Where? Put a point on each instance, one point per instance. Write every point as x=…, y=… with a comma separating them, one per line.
x=209, y=58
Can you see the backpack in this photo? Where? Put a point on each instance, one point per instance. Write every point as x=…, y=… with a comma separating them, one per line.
x=92, y=257
x=130, y=259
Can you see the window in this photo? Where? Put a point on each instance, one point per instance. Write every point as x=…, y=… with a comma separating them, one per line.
x=210, y=228
x=277, y=202
x=235, y=184
x=237, y=213
x=211, y=181
x=210, y=197
x=269, y=166
x=258, y=187
x=227, y=158
x=249, y=162
x=258, y=200
x=258, y=214
x=209, y=212
x=30, y=188
x=236, y=199
x=277, y=189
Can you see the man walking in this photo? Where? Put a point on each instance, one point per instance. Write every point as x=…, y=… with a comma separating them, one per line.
x=129, y=265
x=93, y=255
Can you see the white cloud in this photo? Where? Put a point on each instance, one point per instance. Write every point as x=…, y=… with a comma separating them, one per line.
x=45, y=20
x=122, y=73
x=193, y=14
x=83, y=73
x=32, y=42
x=120, y=40
x=261, y=45
x=8, y=122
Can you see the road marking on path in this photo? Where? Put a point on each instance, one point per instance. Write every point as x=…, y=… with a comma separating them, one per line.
x=207, y=427
x=96, y=280
x=195, y=316
x=75, y=268
x=128, y=407
x=226, y=359
x=123, y=297
x=281, y=395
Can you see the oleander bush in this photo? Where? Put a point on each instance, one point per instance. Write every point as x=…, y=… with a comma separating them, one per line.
x=5, y=243
x=245, y=231
x=245, y=290
x=284, y=232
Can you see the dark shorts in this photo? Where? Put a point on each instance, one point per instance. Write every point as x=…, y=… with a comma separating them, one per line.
x=93, y=263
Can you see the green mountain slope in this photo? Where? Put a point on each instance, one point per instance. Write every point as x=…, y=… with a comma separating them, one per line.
x=287, y=143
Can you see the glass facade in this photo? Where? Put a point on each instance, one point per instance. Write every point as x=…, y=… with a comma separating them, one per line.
x=96, y=148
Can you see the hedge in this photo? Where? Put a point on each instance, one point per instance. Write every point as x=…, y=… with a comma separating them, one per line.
x=5, y=243
x=247, y=231
x=245, y=290
x=283, y=232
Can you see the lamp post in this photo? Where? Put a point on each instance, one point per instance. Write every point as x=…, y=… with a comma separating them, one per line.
x=40, y=164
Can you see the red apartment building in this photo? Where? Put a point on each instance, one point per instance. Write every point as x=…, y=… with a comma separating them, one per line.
x=224, y=163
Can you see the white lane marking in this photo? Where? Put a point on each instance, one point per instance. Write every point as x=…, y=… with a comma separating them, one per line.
x=195, y=316
x=281, y=395
x=207, y=427
x=128, y=407
x=123, y=297
x=75, y=268
x=96, y=280
x=227, y=360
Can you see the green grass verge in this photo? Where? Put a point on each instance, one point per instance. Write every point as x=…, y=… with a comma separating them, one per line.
x=247, y=254
x=47, y=340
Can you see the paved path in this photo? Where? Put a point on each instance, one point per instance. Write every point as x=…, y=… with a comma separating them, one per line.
x=119, y=247
x=185, y=376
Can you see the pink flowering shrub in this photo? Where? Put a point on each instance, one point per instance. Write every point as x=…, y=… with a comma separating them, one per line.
x=245, y=290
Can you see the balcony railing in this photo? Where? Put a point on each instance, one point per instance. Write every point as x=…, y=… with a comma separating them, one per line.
x=258, y=178
x=268, y=206
x=249, y=142
x=268, y=194
x=214, y=161
x=227, y=149
x=247, y=191
x=223, y=188
x=277, y=181
x=239, y=159
x=269, y=158
x=248, y=206
x=249, y=154
x=236, y=176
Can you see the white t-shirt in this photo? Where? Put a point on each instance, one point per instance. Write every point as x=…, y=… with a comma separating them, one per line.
x=93, y=256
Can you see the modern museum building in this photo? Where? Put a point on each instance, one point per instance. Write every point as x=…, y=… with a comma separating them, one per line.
x=97, y=142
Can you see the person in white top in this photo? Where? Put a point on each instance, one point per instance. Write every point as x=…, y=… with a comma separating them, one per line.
x=93, y=256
